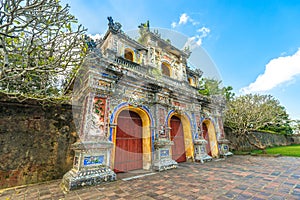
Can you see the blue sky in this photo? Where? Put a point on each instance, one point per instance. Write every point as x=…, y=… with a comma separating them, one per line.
x=255, y=44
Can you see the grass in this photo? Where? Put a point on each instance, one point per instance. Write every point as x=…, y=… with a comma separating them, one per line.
x=292, y=150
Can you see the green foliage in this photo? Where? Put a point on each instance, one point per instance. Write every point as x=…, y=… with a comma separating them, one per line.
x=255, y=112
x=292, y=150
x=156, y=73
x=252, y=112
x=143, y=35
x=280, y=128
x=204, y=92
x=227, y=92
x=213, y=87
x=40, y=44
x=296, y=126
x=210, y=87
x=168, y=40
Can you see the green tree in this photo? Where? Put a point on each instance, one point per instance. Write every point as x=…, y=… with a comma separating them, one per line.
x=228, y=93
x=295, y=126
x=252, y=112
x=213, y=87
x=282, y=127
x=210, y=87
x=40, y=45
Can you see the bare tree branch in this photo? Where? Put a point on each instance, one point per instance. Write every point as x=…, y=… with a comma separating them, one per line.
x=39, y=43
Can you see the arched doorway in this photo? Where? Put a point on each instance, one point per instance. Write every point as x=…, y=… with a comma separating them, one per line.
x=165, y=68
x=177, y=136
x=206, y=137
x=129, y=142
x=209, y=134
x=128, y=54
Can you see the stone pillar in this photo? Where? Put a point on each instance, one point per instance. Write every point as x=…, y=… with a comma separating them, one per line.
x=222, y=141
x=91, y=164
x=90, y=167
x=200, y=147
x=224, y=148
x=162, y=157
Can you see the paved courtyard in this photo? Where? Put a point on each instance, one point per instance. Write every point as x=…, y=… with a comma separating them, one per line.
x=237, y=177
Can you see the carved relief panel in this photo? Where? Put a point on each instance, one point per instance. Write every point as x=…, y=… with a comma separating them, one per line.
x=98, y=121
x=163, y=129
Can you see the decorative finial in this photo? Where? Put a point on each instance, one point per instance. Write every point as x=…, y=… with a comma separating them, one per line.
x=187, y=50
x=145, y=26
x=114, y=26
x=90, y=42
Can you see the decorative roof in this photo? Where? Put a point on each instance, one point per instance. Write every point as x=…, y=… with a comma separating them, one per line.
x=145, y=28
x=114, y=26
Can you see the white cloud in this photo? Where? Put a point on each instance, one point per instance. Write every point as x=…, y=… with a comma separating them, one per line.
x=195, y=23
x=183, y=19
x=196, y=40
x=278, y=71
x=96, y=37
x=174, y=24
x=204, y=30
x=191, y=43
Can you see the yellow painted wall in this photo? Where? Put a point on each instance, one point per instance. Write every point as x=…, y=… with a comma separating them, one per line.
x=170, y=68
x=187, y=134
x=212, y=138
x=133, y=54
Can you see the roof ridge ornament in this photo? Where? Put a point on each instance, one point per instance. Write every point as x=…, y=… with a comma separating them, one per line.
x=187, y=50
x=145, y=26
x=114, y=26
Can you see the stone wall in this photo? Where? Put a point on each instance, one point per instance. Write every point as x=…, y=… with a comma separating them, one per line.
x=294, y=139
x=35, y=141
x=267, y=139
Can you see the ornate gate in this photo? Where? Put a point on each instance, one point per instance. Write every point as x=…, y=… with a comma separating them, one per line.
x=129, y=152
x=177, y=136
x=206, y=137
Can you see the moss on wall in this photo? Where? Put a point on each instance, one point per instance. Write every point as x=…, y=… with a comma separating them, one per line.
x=268, y=139
x=35, y=141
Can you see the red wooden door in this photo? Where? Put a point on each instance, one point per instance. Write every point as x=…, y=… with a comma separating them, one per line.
x=206, y=137
x=129, y=153
x=178, y=150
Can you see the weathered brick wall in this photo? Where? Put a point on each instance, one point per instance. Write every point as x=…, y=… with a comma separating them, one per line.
x=35, y=141
x=294, y=139
x=267, y=139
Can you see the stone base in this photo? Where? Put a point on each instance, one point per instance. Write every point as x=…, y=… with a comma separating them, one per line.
x=87, y=177
x=165, y=165
x=203, y=158
x=226, y=154
x=224, y=148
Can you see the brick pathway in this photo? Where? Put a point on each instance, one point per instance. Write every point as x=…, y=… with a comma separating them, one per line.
x=237, y=177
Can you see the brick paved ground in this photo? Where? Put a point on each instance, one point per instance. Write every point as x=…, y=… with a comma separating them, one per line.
x=237, y=177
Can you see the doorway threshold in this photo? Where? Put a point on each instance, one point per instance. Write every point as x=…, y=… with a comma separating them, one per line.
x=138, y=176
x=134, y=174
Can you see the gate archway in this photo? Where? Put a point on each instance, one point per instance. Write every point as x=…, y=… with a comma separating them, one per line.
x=129, y=143
x=209, y=134
x=132, y=139
x=184, y=136
x=177, y=136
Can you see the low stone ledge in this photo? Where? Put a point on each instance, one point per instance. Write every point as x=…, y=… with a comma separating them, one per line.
x=265, y=155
